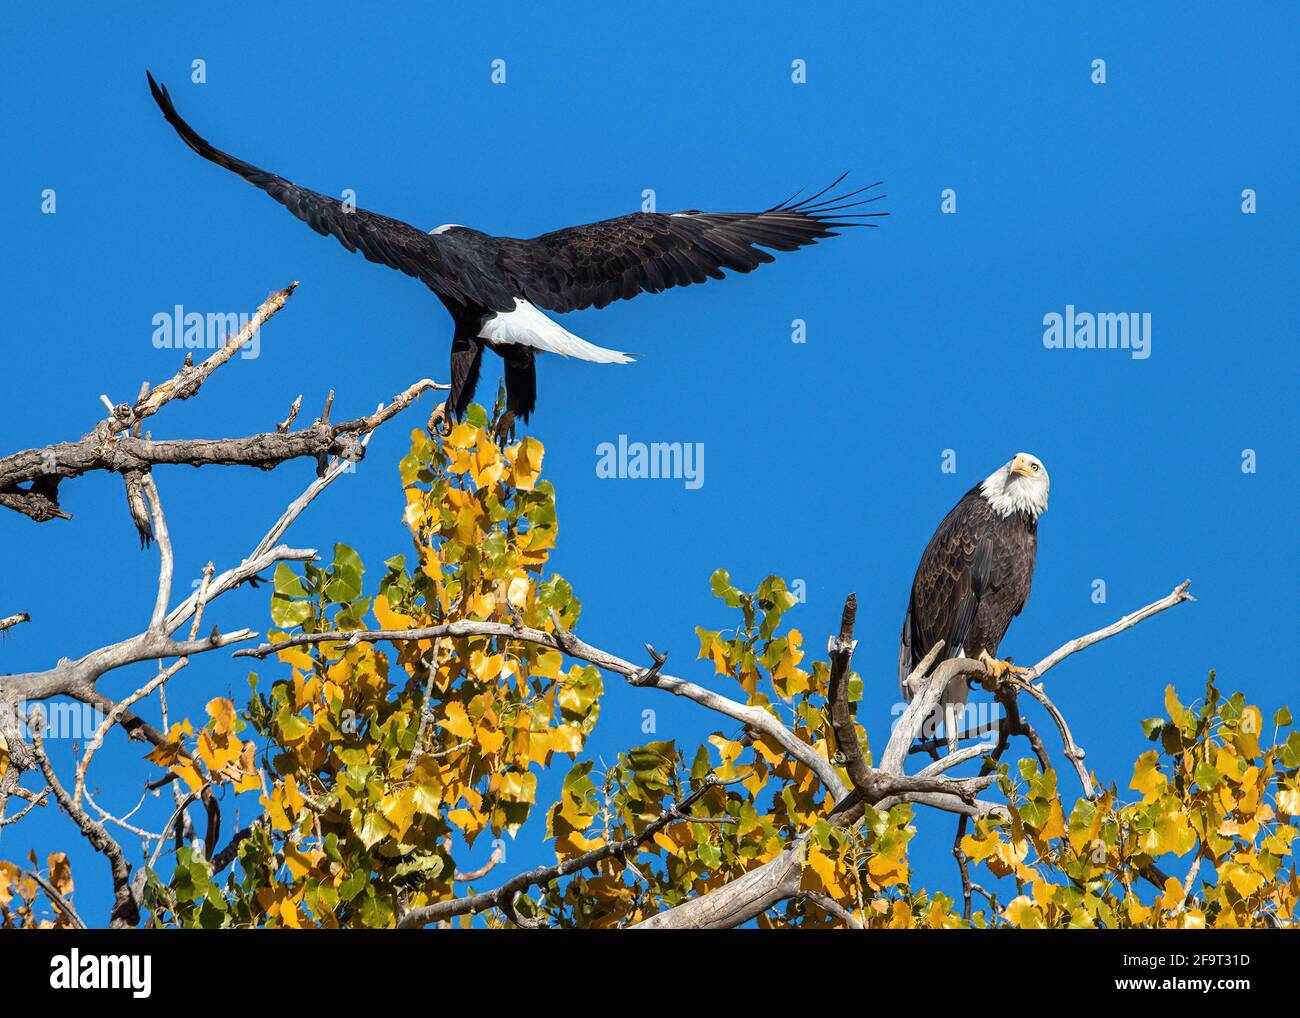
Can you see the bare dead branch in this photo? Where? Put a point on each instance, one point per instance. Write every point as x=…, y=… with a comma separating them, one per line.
x=848, y=748
x=1073, y=751
x=754, y=717
x=32, y=803
x=133, y=457
x=832, y=908
x=494, y=860
x=59, y=902
x=9, y=621
x=426, y=712
x=126, y=909
x=166, y=563
x=187, y=382
x=116, y=445
x=1175, y=597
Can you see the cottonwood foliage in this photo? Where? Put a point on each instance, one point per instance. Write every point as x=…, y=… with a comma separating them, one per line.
x=381, y=775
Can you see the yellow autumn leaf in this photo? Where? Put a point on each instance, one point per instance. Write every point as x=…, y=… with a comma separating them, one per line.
x=527, y=465
x=1173, y=894
x=457, y=721
x=490, y=740
x=296, y=657
x=60, y=872
x=566, y=739
x=222, y=712
x=470, y=821
x=1147, y=778
x=426, y=797
x=978, y=848
x=518, y=787
x=486, y=667
x=290, y=795
x=819, y=872
x=399, y=810
x=573, y=842
x=389, y=619
x=1170, y=833
x=517, y=591
x=1248, y=729
x=485, y=464
x=1022, y=913
x=188, y=773
x=1055, y=826
x=540, y=745
x=1246, y=880
x=887, y=870
x=1044, y=893
x=300, y=863
x=1138, y=914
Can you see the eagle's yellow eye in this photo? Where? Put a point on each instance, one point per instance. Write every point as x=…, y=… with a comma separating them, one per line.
x=1033, y=467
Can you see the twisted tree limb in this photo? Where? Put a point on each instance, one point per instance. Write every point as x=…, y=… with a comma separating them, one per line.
x=833, y=908
x=753, y=893
x=754, y=717
x=59, y=901
x=1176, y=596
x=78, y=678
x=126, y=908
x=13, y=620
x=30, y=479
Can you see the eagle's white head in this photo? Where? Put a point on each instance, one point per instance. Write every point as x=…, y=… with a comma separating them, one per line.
x=1018, y=486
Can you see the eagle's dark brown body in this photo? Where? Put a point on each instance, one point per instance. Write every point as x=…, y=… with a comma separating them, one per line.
x=973, y=579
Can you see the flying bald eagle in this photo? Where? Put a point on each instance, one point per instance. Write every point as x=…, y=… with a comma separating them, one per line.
x=495, y=287
x=974, y=577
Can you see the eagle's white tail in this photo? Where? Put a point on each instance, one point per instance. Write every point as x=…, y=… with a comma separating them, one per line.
x=526, y=326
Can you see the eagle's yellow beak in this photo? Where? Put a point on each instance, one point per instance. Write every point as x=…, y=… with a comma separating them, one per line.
x=1021, y=466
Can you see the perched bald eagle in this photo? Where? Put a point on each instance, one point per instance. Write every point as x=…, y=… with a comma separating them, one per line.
x=494, y=287
x=974, y=577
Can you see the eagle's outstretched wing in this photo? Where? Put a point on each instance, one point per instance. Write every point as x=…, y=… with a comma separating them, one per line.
x=646, y=252
x=577, y=267
x=443, y=267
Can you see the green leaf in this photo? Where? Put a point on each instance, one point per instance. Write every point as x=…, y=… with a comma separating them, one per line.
x=287, y=582
x=1207, y=777
x=720, y=584
x=356, y=882
x=345, y=580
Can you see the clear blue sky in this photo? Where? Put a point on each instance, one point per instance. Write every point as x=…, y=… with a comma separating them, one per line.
x=823, y=458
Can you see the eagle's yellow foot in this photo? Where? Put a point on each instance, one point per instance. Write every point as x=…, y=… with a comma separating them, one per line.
x=998, y=668
x=438, y=420
x=505, y=428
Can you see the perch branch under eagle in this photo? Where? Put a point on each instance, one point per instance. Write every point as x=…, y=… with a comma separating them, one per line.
x=496, y=288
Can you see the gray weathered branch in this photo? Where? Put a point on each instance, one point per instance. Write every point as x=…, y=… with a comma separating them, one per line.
x=30, y=479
